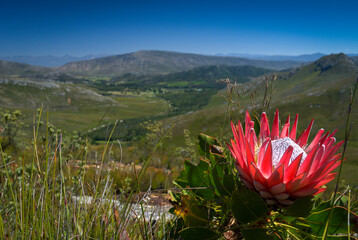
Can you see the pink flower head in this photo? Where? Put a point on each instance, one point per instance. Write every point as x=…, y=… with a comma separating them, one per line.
x=280, y=167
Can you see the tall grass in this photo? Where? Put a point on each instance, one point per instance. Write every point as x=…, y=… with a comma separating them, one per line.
x=42, y=198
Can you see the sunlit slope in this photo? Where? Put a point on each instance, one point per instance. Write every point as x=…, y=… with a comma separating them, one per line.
x=76, y=107
x=320, y=90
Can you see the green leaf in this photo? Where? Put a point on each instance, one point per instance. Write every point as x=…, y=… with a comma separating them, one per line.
x=218, y=179
x=342, y=201
x=205, y=142
x=198, y=233
x=182, y=180
x=216, y=158
x=247, y=206
x=199, y=177
x=300, y=208
x=255, y=234
x=229, y=183
x=191, y=211
x=323, y=205
x=317, y=221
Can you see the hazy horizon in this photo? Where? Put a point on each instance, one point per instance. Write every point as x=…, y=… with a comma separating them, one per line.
x=232, y=54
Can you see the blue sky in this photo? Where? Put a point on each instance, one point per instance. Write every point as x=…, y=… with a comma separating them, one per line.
x=209, y=27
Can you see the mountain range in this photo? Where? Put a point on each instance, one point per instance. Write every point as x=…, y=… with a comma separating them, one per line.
x=57, y=61
x=49, y=60
x=10, y=68
x=161, y=63
x=298, y=58
x=146, y=62
x=304, y=58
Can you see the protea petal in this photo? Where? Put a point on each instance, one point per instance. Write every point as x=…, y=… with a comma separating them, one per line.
x=317, y=160
x=249, y=154
x=292, y=169
x=285, y=159
x=265, y=128
x=252, y=138
x=257, y=175
x=278, y=188
x=294, y=129
x=315, y=141
x=277, y=175
x=302, y=141
x=265, y=194
x=266, y=164
x=275, y=127
x=304, y=192
x=262, y=151
x=308, y=161
x=247, y=123
x=299, y=168
x=286, y=202
x=294, y=183
x=286, y=128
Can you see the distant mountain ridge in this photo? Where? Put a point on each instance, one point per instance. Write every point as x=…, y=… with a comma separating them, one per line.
x=57, y=61
x=153, y=63
x=330, y=75
x=49, y=60
x=20, y=68
x=162, y=62
x=298, y=58
x=341, y=61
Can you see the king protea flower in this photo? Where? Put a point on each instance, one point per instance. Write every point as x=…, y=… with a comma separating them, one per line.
x=280, y=167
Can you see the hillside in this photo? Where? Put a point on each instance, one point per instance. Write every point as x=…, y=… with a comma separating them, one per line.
x=9, y=68
x=319, y=90
x=332, y=72
x=212, y=76
x=161, y=62
x=74, y=107
x=355, y=59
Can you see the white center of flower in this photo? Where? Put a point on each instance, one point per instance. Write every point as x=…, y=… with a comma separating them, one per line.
x=279, y=147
